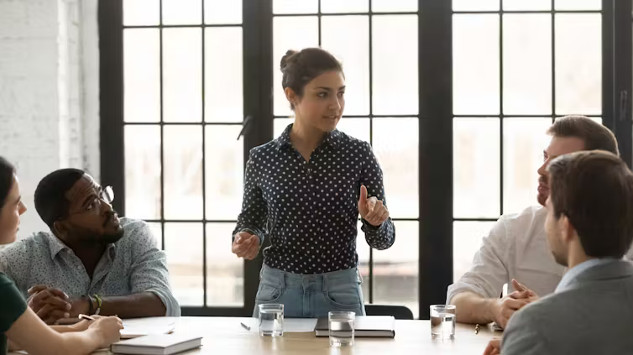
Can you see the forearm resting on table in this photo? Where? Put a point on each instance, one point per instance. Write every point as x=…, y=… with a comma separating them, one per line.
x=58, y=328
x=473, y=308
x=28, y=332
x=145, y=304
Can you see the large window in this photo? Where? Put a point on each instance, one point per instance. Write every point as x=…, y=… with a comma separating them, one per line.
x=454, y=96
x=516, y=66
x=183, y=110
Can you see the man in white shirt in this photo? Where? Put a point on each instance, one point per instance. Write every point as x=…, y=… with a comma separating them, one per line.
x=516, y=247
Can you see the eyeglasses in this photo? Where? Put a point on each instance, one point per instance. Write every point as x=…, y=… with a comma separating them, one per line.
x=105, y=194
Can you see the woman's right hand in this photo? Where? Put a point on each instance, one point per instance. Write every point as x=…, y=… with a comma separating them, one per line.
x=108, y=329
x=245, y=245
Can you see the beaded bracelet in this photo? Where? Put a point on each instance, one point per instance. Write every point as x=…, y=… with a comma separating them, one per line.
x=99, y=303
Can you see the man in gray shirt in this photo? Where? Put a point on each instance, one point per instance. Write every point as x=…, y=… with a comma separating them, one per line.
x=92, y=262
x=589, y=228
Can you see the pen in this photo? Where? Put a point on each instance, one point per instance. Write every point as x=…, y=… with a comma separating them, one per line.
x=476, y=328
x=245, y=326
x=83, y=316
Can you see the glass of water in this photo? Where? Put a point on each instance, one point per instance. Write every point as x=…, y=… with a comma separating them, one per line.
x=271, y=320
x=443, y=321
x=341, y=326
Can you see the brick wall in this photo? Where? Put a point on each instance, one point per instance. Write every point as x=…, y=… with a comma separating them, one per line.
x=48, y=112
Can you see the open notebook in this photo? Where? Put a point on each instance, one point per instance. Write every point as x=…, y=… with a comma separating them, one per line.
x=157, y=344
x=137, y=327
x=364, y=326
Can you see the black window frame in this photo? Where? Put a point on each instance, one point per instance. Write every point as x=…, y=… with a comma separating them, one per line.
x=435, y=122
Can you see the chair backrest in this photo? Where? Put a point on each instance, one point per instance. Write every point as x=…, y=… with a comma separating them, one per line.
x=399, y=312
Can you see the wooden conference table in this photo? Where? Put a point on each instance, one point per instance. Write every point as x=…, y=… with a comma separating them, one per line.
x=225, y=335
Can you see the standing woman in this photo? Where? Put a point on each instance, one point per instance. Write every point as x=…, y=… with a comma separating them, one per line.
x=304, y=191
x=19, y=323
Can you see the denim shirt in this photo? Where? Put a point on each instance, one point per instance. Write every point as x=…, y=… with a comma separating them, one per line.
x=309, y=209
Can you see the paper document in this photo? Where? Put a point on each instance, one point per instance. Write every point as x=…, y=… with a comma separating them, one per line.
x=137, y=327
x=299, y=325
x=291, y=325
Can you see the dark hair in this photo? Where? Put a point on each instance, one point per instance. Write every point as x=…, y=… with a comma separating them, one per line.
x=50, y=195
x=594, y=135
x=299, y=68
x=594, y=189
x=7, y=170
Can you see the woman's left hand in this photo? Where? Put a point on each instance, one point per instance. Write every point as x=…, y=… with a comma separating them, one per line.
x=373, y=211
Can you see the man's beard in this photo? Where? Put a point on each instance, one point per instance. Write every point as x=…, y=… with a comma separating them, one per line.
x=108, y=238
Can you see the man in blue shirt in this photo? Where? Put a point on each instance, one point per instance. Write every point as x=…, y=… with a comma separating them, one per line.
x=93, y=262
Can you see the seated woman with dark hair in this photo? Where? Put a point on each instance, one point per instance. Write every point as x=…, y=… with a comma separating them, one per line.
x=19, y=323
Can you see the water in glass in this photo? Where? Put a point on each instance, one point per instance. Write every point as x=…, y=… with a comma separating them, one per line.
x=341, y=326
x=271, y=322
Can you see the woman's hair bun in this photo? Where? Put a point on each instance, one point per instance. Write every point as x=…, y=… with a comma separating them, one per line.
x=287, y=59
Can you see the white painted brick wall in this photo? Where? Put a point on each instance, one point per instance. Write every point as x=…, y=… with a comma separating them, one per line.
x=43, y=115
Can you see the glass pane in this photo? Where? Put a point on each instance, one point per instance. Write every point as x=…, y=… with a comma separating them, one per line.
x=279, y=124
x=475, y=5
x=527, y=5
x=347, y=38
x=224, y=159
x=141, y=73
x=183, y=246
x=524, y=140
x=394, y=5
x=157, y=231
x=290, y=33
x=396, y=147
x=295, y=7
x=396, y=269
x=225, y=272
x=142, y=172
x=355, y=127
x=578, y=64
x=183, y=172
x=334, y=6
x=223, y=96
x=578, y=5
x=527, y=64
x=475, y=64
x=395, y=64
x=362, y=249
x=182, y=12
x=467, y=238
x=141, y=12
x=222, y=11
x=182, y=75
x=476, y=167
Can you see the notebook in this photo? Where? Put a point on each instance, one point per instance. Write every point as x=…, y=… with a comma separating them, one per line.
x=364, y=326
x=157, y=344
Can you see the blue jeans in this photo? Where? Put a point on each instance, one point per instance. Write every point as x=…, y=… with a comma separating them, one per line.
x=310, y=295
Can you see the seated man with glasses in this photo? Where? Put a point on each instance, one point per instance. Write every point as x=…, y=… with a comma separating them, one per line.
x=92, y=262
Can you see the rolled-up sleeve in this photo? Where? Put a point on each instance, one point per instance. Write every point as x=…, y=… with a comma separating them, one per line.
x=149, y=271
x=254, y=211
x=383, y=236
x=489, y=271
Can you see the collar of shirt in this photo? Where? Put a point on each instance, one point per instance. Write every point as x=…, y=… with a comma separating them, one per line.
x=56, y=246
x=574, y=272
x=332, y=138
